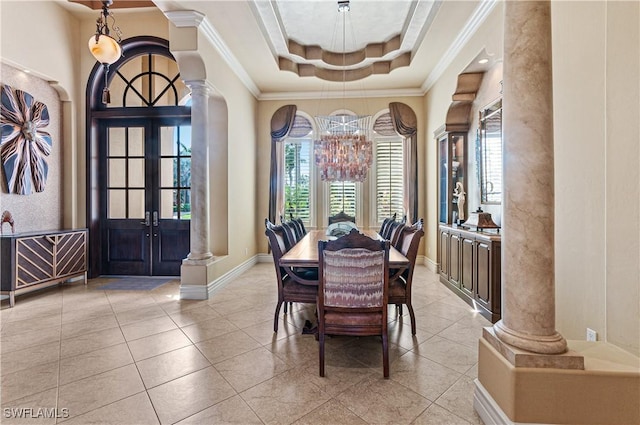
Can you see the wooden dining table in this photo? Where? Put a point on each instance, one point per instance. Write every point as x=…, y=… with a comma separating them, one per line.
x=304, y=254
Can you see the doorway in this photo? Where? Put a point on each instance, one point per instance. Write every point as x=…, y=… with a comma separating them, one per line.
x=146, y=191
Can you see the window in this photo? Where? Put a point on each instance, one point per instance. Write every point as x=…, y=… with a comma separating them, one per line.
x=297, y=178
x=342, y=197
x=297, y=175
x=389, y=179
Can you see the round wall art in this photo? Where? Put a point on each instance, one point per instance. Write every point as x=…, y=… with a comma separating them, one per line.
x=24, y=146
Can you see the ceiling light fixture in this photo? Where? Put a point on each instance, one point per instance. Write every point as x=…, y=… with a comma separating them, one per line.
x=343, y=151
x=483, y=61
x=103, y=46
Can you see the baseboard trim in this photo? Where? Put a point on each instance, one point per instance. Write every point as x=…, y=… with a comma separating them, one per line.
x=487, y=408
x=265, y=258
x=429, y=263
x=193, y=292
x=231, y=275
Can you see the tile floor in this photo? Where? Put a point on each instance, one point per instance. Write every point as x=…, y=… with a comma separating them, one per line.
x=91, y=356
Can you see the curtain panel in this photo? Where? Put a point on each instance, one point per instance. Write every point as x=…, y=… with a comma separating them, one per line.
x=281, y=124
x=405, y=124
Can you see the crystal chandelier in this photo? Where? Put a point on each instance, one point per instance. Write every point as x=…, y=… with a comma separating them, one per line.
x=343, y=151
x=343, y=148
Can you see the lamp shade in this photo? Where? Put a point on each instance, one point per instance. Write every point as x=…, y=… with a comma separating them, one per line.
x=105, y=49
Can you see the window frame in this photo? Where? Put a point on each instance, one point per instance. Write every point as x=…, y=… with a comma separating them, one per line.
x=373, y=173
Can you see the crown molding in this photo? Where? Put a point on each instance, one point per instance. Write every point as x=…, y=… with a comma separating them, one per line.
x=192, y=18
x=471, y=26
x=355, y=94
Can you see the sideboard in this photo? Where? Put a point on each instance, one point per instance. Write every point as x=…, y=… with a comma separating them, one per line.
x=36, y=259
x=469, y=265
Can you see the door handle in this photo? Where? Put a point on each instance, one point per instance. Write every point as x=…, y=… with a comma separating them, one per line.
x=155, y=219
x=147, y=219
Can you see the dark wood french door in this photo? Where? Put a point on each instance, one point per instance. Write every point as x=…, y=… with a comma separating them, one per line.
x=146, y=193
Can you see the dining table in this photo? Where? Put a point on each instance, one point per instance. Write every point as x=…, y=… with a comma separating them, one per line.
x=304, y=255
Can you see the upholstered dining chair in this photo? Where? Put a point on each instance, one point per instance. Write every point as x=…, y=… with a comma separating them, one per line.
x=341, y=216
x=289, y=291
x=353, y=281
x=385, y=224
x=401, y=281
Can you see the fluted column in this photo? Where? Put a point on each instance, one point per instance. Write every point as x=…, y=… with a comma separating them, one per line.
x=528, y=294
x=199, y=171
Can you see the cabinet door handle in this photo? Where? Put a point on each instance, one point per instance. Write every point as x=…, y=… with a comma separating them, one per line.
x=147, y=219
x=155, y=219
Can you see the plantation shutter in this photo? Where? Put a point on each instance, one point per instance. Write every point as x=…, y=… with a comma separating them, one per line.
x=389, y=178
x=297, y=170
x=342, y=197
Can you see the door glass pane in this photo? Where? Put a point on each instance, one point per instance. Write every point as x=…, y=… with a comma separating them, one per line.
x=185, y=172
x=116, y=141
x=136, y=141
x=136, y=203
x=116, y=204
x=167, y=141
x=185, y=204
x=168, y=210
x=136, y=172
x=117, y=172
x=185, y=140
x=167, y=171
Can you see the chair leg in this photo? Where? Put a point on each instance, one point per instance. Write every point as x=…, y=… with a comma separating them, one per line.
x=399, y=306
x=275, y=319
x=285, y=307
x=385, y=355
x=413, y=318
x=321, y=352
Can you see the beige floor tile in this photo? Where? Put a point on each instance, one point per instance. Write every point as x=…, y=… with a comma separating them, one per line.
x=173, y=304
x=190, y=394
x=448, y=353
x=79, y=315
x=24, y=411
x=263, y=331
x=31, y=324
x=100, y=390
x=296, y=349
x=197, y=314
x=15, y=361
x=231, y=411
x=139, y=314
x=459, y=399
x=340, y=374
x=153, y=345
x=472, y=372
x=208, y=329
x=134, y=410
x=168, y=366
x=24, y=340
x=436, y=415
x=449, y=311
x=138, y=330
x=72, y=329
x=233, y=305
x=367, y=350
x=90, y=342
x=425, y=377
x=383, y=401
x=29, y=381
x=94, y=362
x=400, y=335
x=462, y=334
x=284, y=398
x=242, y=371
x=258, y=314
x=330, y=413
x=226, y=346
x=20, y=312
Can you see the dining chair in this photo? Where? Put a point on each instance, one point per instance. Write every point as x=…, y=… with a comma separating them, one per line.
x=353, y=282
x=291, y=234
x=385, y=224
x=401, y=280
x=341, y=216
x=289, y=291
x=297, y=221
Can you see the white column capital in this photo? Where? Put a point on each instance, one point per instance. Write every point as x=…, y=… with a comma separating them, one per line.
x=199, y=87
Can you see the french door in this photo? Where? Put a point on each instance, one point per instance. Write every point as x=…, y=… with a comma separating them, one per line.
x=145, y=186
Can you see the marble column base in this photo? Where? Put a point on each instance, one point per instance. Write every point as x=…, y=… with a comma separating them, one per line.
x=523, y=358
x=543, y=344
x=605, y=392
x=195, y=276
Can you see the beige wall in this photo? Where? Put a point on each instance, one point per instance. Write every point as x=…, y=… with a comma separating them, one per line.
x=596, y=115
x=325, y=106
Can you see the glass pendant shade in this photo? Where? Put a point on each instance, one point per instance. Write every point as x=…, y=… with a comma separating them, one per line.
x=105, y=49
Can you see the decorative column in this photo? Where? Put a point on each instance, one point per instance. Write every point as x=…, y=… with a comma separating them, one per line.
x=528, y=297
x=199, y=171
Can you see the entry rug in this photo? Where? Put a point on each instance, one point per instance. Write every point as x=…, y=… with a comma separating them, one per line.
x=135, y=283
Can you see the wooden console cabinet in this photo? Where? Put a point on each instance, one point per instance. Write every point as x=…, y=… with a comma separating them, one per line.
x=469, y=265
x=32, y=260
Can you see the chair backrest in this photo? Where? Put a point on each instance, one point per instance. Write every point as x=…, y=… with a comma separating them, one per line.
x=396, y=233
x=341, y=216
x=277, y=242
x=391, y=228
x=291, y=234
x=385, y=224
x=408, y=245
x=300, y=224
x=353, y=272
